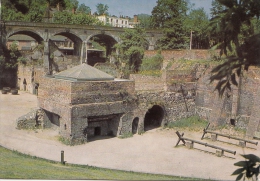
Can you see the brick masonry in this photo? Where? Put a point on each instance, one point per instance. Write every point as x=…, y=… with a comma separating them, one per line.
x=80, y=108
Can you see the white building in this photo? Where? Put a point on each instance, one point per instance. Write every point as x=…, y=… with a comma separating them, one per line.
x=119, y=22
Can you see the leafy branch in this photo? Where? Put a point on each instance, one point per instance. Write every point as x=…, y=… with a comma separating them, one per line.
x=249, y=167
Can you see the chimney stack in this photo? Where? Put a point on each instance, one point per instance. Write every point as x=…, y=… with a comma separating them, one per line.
x=135, y=19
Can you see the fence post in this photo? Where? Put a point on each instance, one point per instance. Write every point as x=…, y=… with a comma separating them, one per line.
x=62, y=157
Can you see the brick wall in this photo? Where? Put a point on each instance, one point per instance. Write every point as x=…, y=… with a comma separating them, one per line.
x=143, y=82
x=183, y=54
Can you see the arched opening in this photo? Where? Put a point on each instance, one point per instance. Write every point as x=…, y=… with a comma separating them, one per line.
x=99, y=49
x=135, y=125
x=153, y=118
x=25, y=35
x=67, y=43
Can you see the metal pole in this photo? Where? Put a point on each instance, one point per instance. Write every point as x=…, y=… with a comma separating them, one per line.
x=190, y=39
x=62, y=157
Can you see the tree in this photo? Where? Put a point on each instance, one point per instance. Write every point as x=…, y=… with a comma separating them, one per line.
x=84, y=9
x=9, y=11
x=169, y=15
x=131, y=50
x=102, y=9
x=230, y=23
x=197, y=21
x=36, y=12
x=65, y=17
x=145, y=20
x=71, y=4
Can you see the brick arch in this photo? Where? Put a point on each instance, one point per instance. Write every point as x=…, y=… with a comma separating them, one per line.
x=154, y=117
x=116, y=38
x=73, y=37
x=109, y=39
x=27, y=32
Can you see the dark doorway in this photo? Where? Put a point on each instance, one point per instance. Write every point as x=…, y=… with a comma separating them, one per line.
x=153, y=118
x=135, y=125
x=233, y=122
x=97, y=131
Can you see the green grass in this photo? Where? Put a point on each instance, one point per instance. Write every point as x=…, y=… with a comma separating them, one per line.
x=193, y=123
x=14, y=165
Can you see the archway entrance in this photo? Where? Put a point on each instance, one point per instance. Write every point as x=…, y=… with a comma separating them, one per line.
x=135, y=125
x=153, y=118
x=100, y=48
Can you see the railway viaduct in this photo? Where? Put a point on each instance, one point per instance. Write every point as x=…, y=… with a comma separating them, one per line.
x=79, y=34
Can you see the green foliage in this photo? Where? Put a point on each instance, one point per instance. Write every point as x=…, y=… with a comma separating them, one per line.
x=233, y=25
x=22, y=60
x=9, y=14
x=145, y=20
x=153, y=63
x=71, y=4
x=84, y=9
x=102, y=9
x=197, y=21
x=64, y=17
x=10, y=60
x=130, y=51
x=191, y=123
x=249, y=168
x=126, y=135
x=35, y=13
x=169, y=15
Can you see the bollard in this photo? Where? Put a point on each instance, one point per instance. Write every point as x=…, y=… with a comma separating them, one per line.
x=62, y=157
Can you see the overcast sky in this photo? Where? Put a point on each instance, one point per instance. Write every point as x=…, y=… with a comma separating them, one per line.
x=132, y=7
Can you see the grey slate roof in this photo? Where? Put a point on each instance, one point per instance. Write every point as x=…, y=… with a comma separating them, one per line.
x=83, y=72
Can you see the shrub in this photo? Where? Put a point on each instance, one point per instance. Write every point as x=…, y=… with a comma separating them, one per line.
x=152, y=63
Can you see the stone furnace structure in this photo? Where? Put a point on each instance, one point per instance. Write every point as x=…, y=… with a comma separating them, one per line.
x=84, y=102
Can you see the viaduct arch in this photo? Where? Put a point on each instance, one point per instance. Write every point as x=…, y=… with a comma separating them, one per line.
x=80, y=35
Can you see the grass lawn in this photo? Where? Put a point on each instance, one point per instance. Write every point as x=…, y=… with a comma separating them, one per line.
x=14, y=165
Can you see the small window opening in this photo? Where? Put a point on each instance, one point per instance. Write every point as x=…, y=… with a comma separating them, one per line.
x=233, y=122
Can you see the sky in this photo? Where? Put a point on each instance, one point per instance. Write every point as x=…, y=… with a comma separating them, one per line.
x=132, y=7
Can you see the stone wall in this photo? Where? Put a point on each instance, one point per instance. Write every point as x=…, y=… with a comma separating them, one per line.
x=33, y=120
x=240, y=104
x=100, y=91
x=183, y=54
x=55, y=90
x=28, y=76
x=176, y=105
x=77, y=103
x=143, y=82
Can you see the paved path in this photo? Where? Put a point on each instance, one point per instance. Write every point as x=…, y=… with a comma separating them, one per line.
x=152, y=152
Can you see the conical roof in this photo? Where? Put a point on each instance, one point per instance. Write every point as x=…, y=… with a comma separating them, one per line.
x=83, y=72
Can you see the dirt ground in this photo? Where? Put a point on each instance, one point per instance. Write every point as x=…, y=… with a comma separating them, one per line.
x=152, y=152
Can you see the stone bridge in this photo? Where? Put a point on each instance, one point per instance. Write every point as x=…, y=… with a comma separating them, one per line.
x=79, y=34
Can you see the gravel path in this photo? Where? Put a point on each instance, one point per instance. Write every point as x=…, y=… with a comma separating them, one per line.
x=152, y=152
